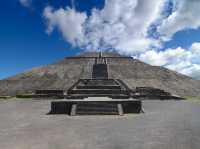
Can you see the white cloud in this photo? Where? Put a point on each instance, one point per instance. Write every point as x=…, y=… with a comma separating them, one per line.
x=185, y=61
x=69, y=23
x=121, y=25
x=185, y=16
x=25, y=3
x=196, y=48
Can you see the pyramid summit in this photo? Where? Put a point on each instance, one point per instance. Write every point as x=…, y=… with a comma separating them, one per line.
x=64, y=73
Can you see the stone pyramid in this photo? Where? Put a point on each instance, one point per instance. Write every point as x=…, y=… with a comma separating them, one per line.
x=64, y=73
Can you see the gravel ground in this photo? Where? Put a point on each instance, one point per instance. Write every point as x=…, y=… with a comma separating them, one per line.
x=24, y=124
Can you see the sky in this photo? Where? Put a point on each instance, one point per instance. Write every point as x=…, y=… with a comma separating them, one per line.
x=159, y=32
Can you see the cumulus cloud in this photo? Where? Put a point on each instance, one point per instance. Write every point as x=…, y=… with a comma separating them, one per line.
x=124, y=25
x=185, y=16
x=121, y=25
x=129, y=26
x=68, y=22
x=185, y=61
x=25, y=3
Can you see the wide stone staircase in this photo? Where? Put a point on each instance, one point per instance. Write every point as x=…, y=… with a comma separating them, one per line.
x=112, y=88
x=106, y=96
x=96, y=107
x=91, y=108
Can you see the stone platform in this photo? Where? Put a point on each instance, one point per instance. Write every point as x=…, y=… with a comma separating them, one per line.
x=96, y=106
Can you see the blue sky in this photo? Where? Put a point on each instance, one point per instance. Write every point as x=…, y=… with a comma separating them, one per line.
x=23, y=41
x=39, y=32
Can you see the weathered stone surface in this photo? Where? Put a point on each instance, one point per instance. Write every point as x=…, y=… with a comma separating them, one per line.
x=65, y=73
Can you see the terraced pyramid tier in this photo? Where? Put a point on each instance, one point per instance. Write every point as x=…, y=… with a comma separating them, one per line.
x=112, y=88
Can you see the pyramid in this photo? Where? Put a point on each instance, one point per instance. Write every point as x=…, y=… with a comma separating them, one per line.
x=64, y=73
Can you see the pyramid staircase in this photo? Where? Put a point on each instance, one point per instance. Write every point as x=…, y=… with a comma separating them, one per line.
x=112, y=88
x=116, y=94
x=96, y=108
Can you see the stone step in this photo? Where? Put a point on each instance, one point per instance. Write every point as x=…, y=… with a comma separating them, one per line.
x=97, y=91
x=96, y=113
x=96, y=108
x=96, y=105
x=100, y=71
x=82, y=96
x=98, y=87
x=93, y=109
x=100, y=82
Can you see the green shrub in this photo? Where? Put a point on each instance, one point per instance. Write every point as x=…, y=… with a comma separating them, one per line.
x=192, y=98
x=24, y=96
x=5, y=97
